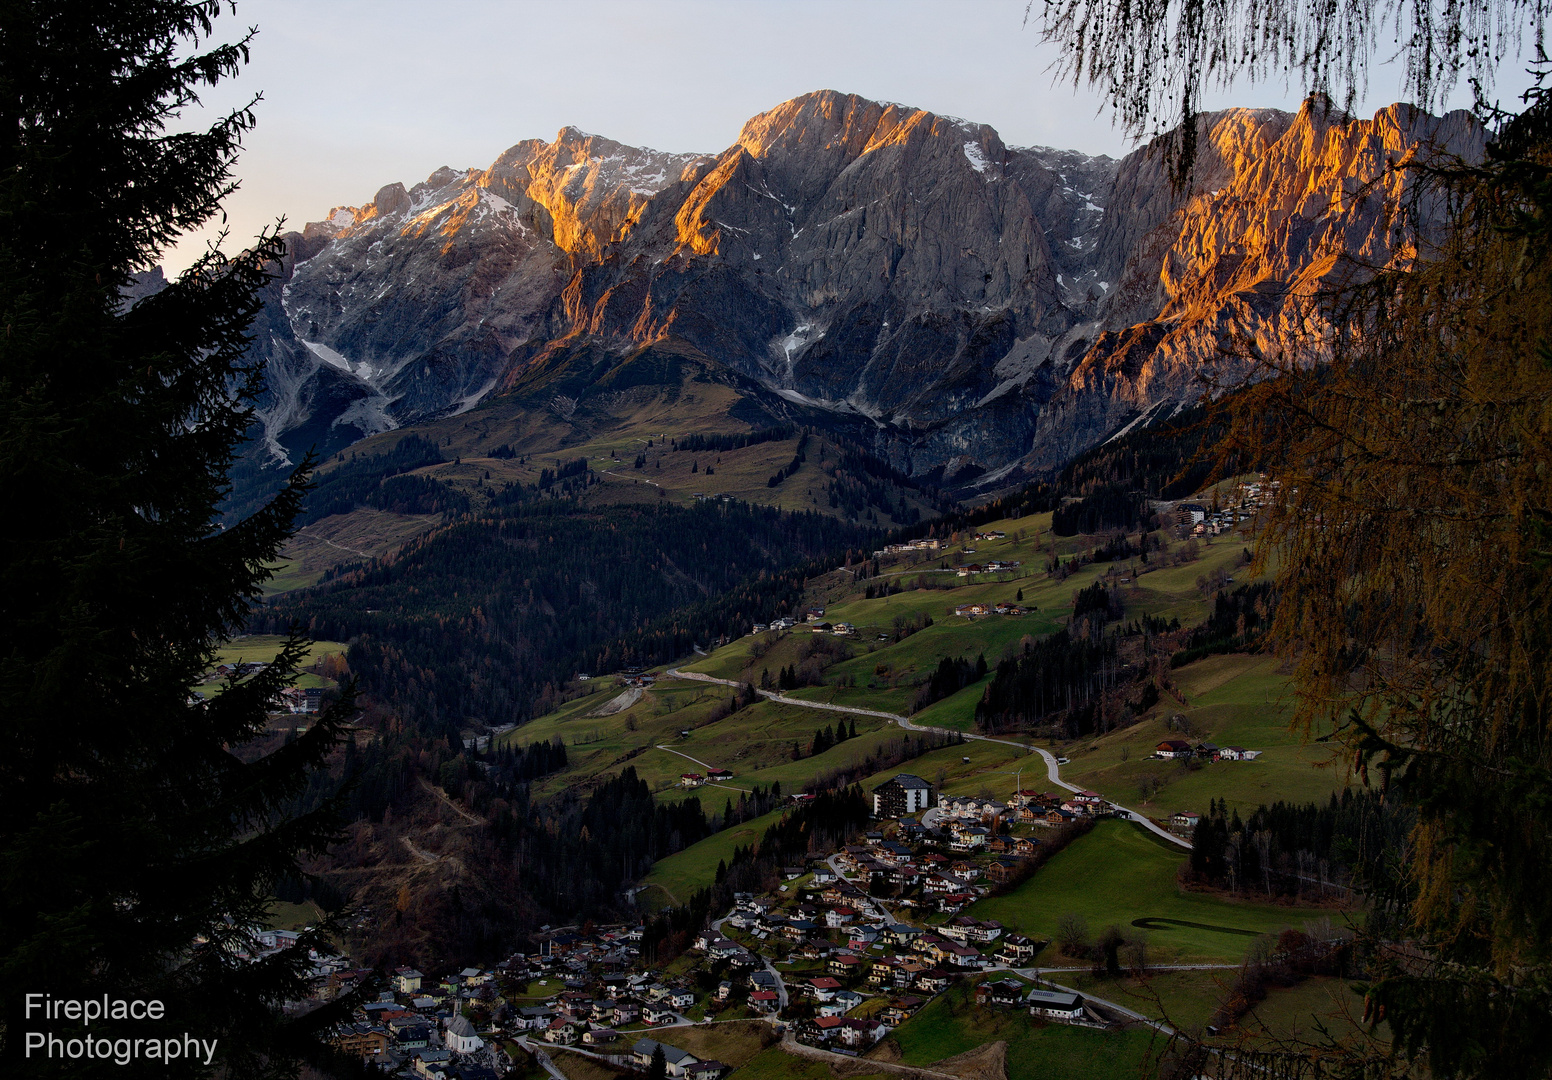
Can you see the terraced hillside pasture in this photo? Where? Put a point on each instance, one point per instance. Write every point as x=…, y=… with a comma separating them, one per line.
x=1117, y=874
x=755, y=742
x=675, y=878
x=882, y=672
x=643, y=417
x=364, y=533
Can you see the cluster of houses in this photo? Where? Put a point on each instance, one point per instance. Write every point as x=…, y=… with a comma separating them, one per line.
x=853, y=950
x=1180, y=750
x=1199, y=520
x=637, y=678
x=976, y=611
x=966, y=569
x=925, y=544
x=293, y=700
x=240, y=670
x=782, y=623
x=826, y=924
x=455, y=1028
x=419, y=1029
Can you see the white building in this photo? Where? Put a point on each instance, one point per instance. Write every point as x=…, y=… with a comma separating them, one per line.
x=901, y=795
x=1055, y=1004
x=461, y=1038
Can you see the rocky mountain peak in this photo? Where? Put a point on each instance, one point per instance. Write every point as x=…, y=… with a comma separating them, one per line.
x=965, y=300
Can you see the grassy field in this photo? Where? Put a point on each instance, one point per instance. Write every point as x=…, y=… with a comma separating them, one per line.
x=580, y=1067
x=733, y=1043
x=262, y=648
x=953, y=1024
x=612, y=429
x=1186, y=1000
x=776, y=1064
x=285, y=916
x=364, y=533
x=677, y=876
x=1234, y=700
x=1119, y=873
x=1298, y=1012
x=755, y=743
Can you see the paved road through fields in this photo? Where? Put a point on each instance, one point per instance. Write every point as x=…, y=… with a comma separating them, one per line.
x=1052, y=769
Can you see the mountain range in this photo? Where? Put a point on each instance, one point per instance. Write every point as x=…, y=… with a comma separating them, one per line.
x=972, y=313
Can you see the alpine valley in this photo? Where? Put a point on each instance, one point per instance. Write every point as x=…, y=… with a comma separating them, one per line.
x=599, y=427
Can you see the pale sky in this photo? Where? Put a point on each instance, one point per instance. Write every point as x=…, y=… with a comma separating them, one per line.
x=361, y=93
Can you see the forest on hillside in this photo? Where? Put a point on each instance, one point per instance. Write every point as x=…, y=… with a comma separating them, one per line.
x=487, y=618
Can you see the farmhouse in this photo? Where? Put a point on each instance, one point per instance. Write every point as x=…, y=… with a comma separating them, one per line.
x=691, y=780
x=1184, y=821
x=1174, y=748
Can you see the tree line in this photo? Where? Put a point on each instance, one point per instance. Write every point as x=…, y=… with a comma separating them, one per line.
x=1304, y=850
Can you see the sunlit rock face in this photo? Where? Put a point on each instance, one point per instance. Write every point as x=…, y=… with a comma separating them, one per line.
x=970, y=302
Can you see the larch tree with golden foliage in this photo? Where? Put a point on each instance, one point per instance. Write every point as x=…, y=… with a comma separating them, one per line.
x=1411, y=537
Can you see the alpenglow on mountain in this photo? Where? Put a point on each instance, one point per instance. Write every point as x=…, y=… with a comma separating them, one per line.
x=967, y=308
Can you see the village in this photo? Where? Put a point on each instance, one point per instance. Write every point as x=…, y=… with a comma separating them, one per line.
x=843, y=950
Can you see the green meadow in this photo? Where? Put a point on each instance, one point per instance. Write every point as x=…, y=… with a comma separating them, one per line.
x=1119, y=873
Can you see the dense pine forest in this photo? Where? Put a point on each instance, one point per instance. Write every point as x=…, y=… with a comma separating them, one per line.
x=485, y=619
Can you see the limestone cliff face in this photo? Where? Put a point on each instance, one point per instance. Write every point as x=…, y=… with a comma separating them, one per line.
x=970, y=302
x=1284, y=210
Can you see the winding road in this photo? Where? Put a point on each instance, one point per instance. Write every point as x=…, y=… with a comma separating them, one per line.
x=1052, y=768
